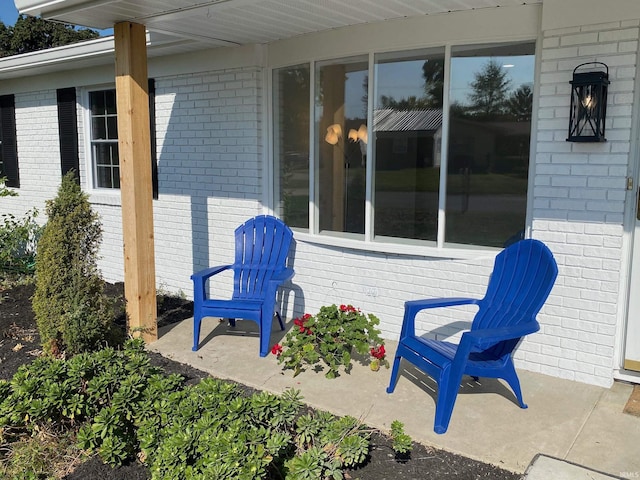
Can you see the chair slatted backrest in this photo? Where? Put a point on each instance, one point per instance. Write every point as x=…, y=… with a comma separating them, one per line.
x=262, y=246
x=522, y=278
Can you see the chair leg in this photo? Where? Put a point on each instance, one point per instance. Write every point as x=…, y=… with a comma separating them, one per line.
x=511, y=377
x=280, y=320
x=448, y=387
x=394, y=375
x=265, y=333
x=197, y=320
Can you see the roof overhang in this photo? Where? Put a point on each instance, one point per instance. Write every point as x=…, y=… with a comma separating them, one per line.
x=210, y=23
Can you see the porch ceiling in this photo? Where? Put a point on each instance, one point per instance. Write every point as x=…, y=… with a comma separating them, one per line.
x=241, y=22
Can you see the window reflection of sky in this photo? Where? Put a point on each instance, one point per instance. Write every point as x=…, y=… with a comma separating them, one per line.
x=400, y=79
x=356, y=93
x=464, y=69
x=404, y=79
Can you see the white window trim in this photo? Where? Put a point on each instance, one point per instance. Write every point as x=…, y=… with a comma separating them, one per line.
x=516, y=24
x=399, y=246
x=103, y=196
x=420, y=248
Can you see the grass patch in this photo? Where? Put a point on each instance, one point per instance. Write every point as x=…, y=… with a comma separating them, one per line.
x=43, y=455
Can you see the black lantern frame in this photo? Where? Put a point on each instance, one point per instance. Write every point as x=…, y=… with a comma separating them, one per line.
x=588, y=108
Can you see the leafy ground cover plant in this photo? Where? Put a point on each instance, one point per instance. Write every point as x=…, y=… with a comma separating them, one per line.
x=330, y=337
x=115, y=403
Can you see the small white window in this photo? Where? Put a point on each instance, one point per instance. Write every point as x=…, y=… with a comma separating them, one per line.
x=104, y=139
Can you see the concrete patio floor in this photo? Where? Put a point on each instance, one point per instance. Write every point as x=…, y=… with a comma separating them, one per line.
x=580, y=430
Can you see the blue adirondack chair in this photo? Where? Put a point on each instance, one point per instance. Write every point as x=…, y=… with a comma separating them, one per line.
x=522, y=278
x=262, y=248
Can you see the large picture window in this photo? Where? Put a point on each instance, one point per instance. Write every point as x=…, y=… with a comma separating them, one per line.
x=433, y=149
x=104, y=138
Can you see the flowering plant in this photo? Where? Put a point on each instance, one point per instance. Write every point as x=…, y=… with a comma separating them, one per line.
x=330, y=337
x=379, y=358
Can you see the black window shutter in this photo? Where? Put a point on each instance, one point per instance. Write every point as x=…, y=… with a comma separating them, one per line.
x=152, y=131
x=68, y=131
x=9, y=143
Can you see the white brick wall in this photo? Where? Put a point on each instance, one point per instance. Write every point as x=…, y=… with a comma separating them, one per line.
x=209, y=169
x=210, y=174
x=38, y=153
x=381, y=283
x=579, y=204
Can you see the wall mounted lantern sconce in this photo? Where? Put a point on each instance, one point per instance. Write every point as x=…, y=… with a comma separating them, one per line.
x=588, y=104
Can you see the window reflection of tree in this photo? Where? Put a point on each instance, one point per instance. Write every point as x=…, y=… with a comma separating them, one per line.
x=488, y=158
x=407, y=150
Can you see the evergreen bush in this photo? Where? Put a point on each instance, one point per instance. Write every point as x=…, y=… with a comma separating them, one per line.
x=72, y=311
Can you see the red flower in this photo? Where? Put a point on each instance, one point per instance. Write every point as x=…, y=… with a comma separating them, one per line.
x=347, y=308
x=299, y=322
x=277, y=349
x=378, y=352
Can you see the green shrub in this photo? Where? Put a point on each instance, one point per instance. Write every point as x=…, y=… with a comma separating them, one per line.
x=18, y=241
x=18, y=238
x=72, y=312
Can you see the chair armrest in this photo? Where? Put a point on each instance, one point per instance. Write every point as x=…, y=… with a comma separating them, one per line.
x=278, y=279
x=412, y=307
x=209, y=272
x=283, y=276
x=199, y=283
x=418, y=305
x=485, y=337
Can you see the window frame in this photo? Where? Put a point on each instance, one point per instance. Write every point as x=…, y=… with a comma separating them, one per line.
x=401, y=246
x=88, y=142
x=112, y=195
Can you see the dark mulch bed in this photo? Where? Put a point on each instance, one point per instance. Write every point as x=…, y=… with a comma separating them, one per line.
x=20, y=343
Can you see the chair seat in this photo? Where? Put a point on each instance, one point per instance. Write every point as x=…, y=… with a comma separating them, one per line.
x=249, y=305
x=448, y=350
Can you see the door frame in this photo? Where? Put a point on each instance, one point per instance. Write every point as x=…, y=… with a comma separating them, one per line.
x=631, y=237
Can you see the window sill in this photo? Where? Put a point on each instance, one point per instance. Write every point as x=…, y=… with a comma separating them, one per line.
x=105, y=197
x=408, y=247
